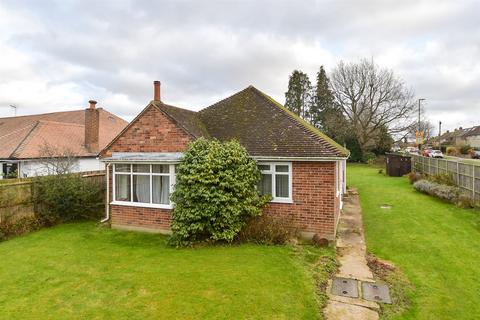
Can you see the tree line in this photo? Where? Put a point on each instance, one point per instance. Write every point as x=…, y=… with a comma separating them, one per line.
x=360, y=105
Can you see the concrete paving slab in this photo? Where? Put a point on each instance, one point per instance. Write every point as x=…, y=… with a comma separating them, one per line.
x=342, y=311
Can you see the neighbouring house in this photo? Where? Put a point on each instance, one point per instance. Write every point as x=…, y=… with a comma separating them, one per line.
x=460, y=136
x=301, y=168
x=471, y=137
x=27, y=141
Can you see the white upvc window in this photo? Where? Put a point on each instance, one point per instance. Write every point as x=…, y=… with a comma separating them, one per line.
x=339, y=178
x=276, y=180
x=143, y=185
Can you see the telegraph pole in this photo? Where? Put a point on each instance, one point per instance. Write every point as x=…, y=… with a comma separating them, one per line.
x=439, y=132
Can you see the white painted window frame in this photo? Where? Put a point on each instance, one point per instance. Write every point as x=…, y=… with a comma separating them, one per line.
x=272, y=171
x=171, y=174
x=340, y=181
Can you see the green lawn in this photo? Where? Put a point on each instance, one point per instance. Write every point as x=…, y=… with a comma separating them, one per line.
x=436, y=244
x=84, y=271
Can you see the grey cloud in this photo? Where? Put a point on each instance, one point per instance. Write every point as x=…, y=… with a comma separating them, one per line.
x=203, y=50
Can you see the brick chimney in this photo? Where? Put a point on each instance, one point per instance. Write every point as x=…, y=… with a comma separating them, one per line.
x=92, y=125
x=156, y=90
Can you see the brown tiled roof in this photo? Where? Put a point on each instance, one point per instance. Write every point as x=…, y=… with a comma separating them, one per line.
x=189, y=120
x=265, y=128
x=262, y=125
x=22, y=137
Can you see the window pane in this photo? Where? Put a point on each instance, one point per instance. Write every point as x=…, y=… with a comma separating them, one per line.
x=265, y=184
x=161, y=189
x=141, y=168
x=141, y=189
x=281, y=168
x=264, y=167
x=122, y=187
x=122, y=167
x=160, y=168
x=281, y=185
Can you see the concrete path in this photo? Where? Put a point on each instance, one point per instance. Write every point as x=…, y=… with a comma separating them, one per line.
x=351, y=252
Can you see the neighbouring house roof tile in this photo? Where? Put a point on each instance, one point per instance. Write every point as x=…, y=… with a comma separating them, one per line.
x=470, y=132
x=22, y=137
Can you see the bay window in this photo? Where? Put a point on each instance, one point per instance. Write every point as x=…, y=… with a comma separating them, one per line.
x=276, y=181
x=147, y=185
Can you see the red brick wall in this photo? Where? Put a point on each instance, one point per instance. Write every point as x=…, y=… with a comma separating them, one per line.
x=139, y=217
x=315, y=207
x=152, y=132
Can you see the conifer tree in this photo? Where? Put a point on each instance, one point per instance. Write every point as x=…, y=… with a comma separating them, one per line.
x=322, y=99
x=324, y=113
x=298, y=96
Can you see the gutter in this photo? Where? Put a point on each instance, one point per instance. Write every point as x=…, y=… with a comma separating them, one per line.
x=126, y=161
x=266, y=158
x=107, y=200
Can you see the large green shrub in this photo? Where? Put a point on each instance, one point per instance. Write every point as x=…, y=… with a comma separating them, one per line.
x=369, y=158
x=215, y=192
x=67, y=197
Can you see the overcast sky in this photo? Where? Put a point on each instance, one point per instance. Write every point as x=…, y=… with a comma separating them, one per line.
x=56, y=55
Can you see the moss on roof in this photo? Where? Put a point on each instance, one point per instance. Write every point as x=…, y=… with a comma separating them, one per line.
x=308, y=126
x=266, y=128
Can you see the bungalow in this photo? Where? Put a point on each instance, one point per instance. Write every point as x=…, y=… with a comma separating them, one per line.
x=302, y=169
x=78, y=135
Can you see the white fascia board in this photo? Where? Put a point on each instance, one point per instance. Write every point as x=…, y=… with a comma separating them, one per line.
x=312, y=159
x=140, y=161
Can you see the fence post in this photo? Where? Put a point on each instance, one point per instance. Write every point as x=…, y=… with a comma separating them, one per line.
x=473, y=183
x=458, y=174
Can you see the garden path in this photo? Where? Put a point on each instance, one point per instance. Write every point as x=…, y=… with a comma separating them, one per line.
x=351, y=251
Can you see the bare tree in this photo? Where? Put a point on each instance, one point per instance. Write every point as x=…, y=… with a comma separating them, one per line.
x=55, y=160
x=426, y=127
x=372, y=98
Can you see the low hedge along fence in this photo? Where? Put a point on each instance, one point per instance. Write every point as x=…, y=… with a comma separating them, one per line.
x=48, y=200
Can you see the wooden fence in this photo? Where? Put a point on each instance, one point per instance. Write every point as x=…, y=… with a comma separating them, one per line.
x=16, y=196
x=465, y=174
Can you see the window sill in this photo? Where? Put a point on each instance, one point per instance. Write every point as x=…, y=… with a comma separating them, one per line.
x=282, y=201
x=143, y=205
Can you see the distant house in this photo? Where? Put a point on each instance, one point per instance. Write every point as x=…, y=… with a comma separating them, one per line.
x=80, y=133
x=460, y=136
x=302, y=169
x=471, y=137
